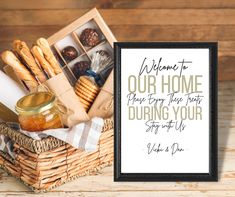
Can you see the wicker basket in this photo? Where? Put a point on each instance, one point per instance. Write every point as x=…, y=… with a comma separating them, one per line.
x=45, y=164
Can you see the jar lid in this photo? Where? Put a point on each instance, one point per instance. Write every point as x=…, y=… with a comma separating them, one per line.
x=35, y=103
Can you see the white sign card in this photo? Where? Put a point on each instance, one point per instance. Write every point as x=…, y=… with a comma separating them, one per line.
x=165, y=111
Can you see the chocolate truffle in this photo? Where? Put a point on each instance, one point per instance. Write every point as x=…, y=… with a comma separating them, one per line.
x=90, y=37
x=80, y=68
x=69, y=53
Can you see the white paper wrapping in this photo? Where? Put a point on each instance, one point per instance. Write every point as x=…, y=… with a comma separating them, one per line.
x=10, y=91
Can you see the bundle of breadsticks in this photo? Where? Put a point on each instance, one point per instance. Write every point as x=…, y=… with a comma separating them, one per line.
x=32, y=66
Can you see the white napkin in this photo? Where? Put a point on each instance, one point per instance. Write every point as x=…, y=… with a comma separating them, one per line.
x=10, y=91
x=83, y=135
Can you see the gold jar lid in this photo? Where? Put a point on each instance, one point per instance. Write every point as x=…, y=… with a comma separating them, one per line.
x=35, y=103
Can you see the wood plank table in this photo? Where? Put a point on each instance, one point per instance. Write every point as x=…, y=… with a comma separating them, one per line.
x=138, y=20
x=103, y=185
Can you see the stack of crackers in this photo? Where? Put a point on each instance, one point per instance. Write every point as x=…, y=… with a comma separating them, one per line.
x=86, y=91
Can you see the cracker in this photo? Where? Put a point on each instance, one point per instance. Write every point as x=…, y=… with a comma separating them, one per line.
x=85, y=96
x=88, y=84
x=85, y=103
x=83, y=89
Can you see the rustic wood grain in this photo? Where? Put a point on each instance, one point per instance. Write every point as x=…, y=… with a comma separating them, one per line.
x=134, y=32
x=132, y=193
x=122, y=16
x=74, y=4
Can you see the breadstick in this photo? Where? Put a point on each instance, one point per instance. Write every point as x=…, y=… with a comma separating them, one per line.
x=22, y=49
x=38, y=54
x=44, y=45
x=21, y=71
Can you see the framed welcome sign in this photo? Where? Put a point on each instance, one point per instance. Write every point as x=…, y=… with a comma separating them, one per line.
x=165, y=111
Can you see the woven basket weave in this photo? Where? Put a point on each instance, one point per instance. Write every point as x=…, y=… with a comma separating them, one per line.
x=45, y=164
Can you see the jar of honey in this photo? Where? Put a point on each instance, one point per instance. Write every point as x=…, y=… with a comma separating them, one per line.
x=38, y=112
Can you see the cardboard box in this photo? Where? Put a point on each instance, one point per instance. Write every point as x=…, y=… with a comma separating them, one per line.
x=69, y=36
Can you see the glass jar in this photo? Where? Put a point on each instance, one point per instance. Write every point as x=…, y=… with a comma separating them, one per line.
x=38, y=112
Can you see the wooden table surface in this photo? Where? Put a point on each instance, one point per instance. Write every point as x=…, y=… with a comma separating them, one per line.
x=138, y=20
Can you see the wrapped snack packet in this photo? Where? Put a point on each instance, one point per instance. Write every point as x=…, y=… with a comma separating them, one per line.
x=87, y=87
x=103, y=75
x=101, y=62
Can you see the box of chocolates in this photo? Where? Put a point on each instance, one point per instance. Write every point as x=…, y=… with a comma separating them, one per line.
x=84, y=50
